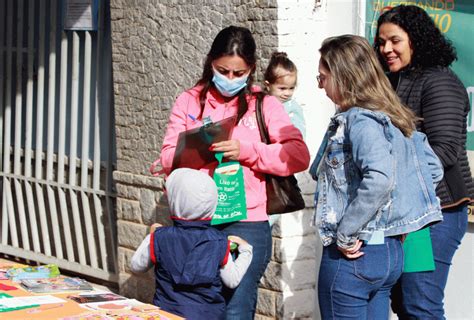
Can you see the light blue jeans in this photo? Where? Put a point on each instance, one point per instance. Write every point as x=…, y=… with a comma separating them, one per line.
x=242, y=301
x=359, y=288
x=420, y=295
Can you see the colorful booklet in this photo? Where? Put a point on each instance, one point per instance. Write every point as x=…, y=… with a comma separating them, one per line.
x=89, y=316
x=6, y=308
x=96, y=297
x=55, y=284
x=123, y=308
x=125, y=316
x=40, y=272
x=17, y=303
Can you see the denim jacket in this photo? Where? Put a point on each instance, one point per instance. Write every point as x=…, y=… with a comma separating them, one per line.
x=373, y=178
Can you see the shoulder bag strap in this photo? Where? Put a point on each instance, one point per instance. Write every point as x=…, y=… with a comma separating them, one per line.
x=260, y=118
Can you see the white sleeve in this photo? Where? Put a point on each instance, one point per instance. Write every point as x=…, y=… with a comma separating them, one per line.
x=233, y=272
x=141, y=261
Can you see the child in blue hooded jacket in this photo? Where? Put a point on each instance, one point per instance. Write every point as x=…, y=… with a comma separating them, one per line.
x=191, y=259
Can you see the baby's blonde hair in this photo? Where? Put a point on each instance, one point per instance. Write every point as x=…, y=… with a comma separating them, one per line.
x=279, y=66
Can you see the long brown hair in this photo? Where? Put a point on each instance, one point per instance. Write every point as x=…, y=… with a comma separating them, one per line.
x=360, y=81
x=230, y=41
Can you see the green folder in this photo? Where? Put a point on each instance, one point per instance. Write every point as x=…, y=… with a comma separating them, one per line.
x=418, y=251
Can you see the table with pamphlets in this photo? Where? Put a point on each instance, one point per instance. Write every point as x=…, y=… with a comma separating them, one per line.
x=24, y=296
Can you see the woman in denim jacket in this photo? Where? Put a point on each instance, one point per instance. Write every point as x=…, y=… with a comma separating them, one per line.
x=376, y=182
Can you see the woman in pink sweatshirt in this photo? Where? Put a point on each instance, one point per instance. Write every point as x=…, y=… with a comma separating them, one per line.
x=225, y=89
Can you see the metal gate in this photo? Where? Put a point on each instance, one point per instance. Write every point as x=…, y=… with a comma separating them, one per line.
x=56, y=129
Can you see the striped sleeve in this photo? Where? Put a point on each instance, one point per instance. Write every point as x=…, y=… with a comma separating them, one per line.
x=443, y=102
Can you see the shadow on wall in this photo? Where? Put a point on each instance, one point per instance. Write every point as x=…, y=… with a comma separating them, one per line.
x=293, y=270
x=141, y=286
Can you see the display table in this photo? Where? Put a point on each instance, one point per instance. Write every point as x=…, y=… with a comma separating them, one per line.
x=49, y=307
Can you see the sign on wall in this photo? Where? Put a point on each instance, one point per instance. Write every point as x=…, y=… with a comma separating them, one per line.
x=81, y=15
x=455, y=19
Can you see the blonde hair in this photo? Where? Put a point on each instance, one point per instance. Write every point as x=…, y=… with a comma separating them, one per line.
x=360, y=80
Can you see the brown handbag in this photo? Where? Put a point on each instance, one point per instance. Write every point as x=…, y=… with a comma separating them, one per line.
x=283, y=193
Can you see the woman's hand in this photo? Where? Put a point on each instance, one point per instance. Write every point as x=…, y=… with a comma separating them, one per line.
x=353, y=252
x=230, y=148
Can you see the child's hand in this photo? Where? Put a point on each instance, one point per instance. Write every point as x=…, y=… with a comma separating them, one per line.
x=237, y=240
x=154, y=226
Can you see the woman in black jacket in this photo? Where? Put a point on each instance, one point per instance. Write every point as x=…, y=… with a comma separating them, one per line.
x=417, y=57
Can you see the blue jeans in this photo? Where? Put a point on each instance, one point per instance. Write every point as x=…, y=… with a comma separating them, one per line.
x=242, y=301
x=419, y=295
x=359, y=288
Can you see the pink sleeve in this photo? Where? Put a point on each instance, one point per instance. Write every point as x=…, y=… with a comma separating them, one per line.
x=287, y=154
x=176, y=124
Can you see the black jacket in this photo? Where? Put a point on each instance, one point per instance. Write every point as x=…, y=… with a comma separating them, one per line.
x=437, y=96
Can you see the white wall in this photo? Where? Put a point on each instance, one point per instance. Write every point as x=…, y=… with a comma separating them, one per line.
x=302, y=27
x=459, y=294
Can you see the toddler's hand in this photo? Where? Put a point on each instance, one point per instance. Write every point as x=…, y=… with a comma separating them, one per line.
x=154, y=226
x=237, y=240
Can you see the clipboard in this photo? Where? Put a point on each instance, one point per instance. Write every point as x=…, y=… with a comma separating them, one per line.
x=192, y=148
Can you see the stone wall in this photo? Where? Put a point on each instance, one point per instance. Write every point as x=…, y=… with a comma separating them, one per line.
x=158, y=51
x=287, y=289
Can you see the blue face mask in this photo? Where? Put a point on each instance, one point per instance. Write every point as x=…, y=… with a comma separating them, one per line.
x=227, y=87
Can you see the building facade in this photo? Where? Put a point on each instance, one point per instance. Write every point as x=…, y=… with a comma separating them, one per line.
x=84, y=112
